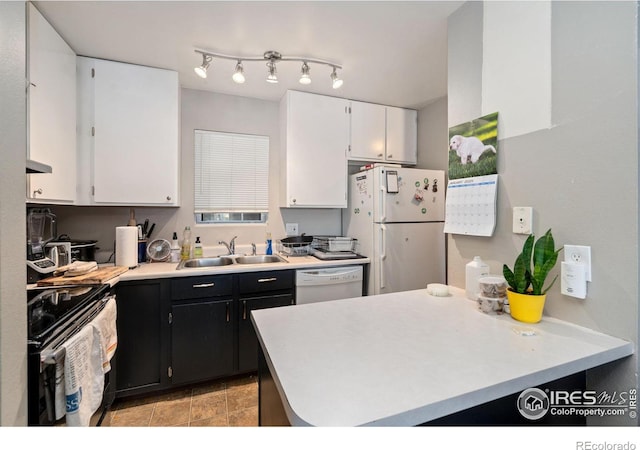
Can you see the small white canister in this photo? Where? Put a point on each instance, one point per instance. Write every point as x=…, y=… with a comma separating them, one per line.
x=474, y=270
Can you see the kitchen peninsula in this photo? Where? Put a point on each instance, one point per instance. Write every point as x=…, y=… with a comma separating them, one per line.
x=408, y=358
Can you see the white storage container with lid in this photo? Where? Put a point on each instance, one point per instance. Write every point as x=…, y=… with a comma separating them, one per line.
x=474, y=270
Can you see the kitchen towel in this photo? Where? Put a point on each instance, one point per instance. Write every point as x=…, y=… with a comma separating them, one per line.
x=83, y=376
x=127, y=246
x=60, y=407
x=104, y=328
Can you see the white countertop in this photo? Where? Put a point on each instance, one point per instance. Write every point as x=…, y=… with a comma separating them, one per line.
x=409, y=357
x=148, y=271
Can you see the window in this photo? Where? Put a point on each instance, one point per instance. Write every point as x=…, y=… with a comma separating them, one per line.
x=231, y=177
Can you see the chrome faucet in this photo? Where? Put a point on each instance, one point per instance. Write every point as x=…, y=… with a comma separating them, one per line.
x=253, y=249
x=231, y=246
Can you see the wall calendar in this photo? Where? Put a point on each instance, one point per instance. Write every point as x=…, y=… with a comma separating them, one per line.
x=471, y=206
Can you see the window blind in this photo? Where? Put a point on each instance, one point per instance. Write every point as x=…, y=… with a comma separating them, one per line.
x=231, y=172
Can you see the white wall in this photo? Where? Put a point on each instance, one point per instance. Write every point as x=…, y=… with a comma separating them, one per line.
x=13, y=132
x=580, y=175
x=433, y=136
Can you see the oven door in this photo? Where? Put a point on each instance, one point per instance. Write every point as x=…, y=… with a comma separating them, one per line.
x=43, y=360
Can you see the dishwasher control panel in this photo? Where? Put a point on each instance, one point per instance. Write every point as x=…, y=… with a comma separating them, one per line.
x=318, y=285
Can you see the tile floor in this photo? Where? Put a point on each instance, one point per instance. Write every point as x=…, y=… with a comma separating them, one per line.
x=228, y=402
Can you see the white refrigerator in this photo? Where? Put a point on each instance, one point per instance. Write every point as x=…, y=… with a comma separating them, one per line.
x=397, y=216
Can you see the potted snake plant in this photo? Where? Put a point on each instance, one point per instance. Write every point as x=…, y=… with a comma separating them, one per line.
x=527, y=293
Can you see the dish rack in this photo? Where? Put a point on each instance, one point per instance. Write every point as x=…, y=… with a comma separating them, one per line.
x=334, y=243
x=290, y=249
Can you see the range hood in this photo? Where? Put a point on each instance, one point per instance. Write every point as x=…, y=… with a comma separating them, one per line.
x=36, y=167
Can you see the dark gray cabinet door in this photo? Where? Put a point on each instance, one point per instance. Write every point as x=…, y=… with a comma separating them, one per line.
x=202, y=344
x=247, y=339
x=143, y=335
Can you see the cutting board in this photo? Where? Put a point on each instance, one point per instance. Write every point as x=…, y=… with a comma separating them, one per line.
x=99, y=276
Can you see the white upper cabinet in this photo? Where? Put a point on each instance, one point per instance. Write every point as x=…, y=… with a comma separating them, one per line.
x=402, y=135
x=52, y=112
x=128, y=134
x=383, y=133
x=367, y=131
x=315, y=139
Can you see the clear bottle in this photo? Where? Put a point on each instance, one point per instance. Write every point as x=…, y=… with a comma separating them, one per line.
x=269, y=245
x=185, y=253
x=197, y=248
x=474, y=270
x=175, y=248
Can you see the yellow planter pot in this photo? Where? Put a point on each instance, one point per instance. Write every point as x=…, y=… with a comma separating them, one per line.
x=525, y=307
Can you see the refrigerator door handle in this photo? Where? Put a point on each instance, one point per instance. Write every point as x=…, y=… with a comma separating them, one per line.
x=383, y=255
x=383, y=205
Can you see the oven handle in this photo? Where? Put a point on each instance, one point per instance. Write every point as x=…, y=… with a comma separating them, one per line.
x=54, y=351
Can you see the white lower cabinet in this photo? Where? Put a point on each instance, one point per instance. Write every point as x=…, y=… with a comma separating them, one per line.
x=128, y=134
x=315, y=139
x=52, y=112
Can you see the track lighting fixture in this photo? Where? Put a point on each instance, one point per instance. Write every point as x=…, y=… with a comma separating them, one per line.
x=271, y=57
x=201, y=70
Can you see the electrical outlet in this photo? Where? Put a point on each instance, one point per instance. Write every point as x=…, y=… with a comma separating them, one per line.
x=580, y=254
x=291, y=229
x=522, y=219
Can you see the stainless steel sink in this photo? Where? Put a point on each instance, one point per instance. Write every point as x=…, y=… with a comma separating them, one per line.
x=205, y=262
x=259, y=259
x=228, y=260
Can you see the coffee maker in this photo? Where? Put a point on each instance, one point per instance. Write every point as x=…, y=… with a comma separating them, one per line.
x=44, y=255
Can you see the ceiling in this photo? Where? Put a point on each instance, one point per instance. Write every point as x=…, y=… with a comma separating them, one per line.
x=392, y=52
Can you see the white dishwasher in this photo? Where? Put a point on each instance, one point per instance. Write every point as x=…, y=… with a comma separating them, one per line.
x=334, y=283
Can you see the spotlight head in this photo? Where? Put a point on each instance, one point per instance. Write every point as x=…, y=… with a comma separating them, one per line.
x=272, y=77
x=238, y=75
x=305, y=78
x=335, y=81
x=201, y=70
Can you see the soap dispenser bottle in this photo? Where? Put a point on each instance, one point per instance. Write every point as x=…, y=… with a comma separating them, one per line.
x=269, y=245
x=175, y=248
x=197, y=248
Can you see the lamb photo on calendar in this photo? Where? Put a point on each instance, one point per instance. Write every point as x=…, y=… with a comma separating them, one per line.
x=473, y=148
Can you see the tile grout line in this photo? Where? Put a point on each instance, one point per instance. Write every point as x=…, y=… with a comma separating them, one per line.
x=226, y=402
x=190, y=407
x=152, y=413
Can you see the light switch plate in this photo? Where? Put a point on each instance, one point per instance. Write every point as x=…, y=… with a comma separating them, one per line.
x=291, y=229
x=580, y=254
x=522, y=219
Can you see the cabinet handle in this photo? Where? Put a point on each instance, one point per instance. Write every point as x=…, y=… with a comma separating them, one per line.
x=379, y=155
x=244, y=310
x=204, y=285
x=37, y=191
x=266, y=280
x=228, y=313
x=293, y=200
x=390, y=156
x=168, y=198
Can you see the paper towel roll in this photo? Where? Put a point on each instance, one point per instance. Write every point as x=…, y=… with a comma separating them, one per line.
x=127, y=246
